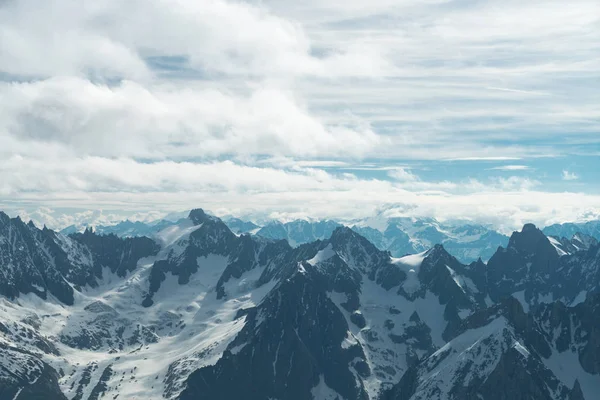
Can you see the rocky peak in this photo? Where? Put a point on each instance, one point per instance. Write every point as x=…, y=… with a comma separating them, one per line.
x=529, y=241
x=583, y=241
x=343, y=237
x=438, y=252
x=198, y=216
x=342, y=234
x=437, y=261
x=576, y=393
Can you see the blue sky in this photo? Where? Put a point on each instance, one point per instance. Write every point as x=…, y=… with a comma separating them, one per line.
x=486, y=110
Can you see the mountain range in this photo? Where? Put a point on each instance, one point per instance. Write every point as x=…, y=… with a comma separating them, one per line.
x=569, y=229
x=198, y=311
x=400, y=236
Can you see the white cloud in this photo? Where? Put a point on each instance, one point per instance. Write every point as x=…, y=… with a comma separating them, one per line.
x=402, y=175
x=115, y=38
x=569, y=176
x=124, y=188
x=155, y=122
x=511, y=168
x=136, y=105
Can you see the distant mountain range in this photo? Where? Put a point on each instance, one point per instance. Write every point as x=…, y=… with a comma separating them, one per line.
x=590, y=228
x=400, y=236
x=200, y=312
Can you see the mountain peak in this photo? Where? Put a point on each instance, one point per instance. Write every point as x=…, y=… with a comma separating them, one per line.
x=528, y=240
x=437, y=252
x=343, y=235
x=198, y=216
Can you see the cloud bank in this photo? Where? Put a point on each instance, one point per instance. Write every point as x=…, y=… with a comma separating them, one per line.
x=483, y=110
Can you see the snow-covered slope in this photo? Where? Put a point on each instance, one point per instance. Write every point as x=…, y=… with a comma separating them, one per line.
x=497, y=353
x=105, y=340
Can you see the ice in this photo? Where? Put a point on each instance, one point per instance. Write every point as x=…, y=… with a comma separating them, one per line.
x=520, y=295
x=580, y=298
x=207, y=325
x=323, y=392
x=170, y=235
x=567, y=368
x=410, y=265
x=322, y=255
x=557, y=245
x=521, y=349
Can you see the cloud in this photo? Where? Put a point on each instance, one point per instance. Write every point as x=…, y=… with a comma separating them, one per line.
x=517, y=91
x=155, y=122
x=116, y=39
x=511, y=168
x=153, y=106
x=141, y=190
x=569, y=176
x=403, y=175
x=483, y=158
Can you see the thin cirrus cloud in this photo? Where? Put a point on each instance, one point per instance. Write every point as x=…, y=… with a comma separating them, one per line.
x=303, y=105
x=511, y=168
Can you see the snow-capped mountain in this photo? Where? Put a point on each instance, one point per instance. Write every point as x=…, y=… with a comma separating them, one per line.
x=202, y=312
x=299, y=231
x=579, y=242
x=502, y=352
x=570, y=229
x=125, y=228
x=400, y=236
x=239, y=226
x=403, y=235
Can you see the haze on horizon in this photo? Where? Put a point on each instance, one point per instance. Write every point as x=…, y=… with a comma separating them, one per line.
x=484, y=110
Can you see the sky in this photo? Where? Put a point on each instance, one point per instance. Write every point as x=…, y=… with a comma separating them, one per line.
x=482, y=110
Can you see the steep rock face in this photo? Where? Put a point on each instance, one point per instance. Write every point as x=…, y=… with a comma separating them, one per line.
x=534, y=269
x=44, y=262
x=512, y=311
x=579, y=274
x=26, y=263
x=25, y=376
x=209, y=236
x=528, y=264
x=119, y=255
x=488, y=359
x=292, y=342
x=574, y=329
x=391, y=309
